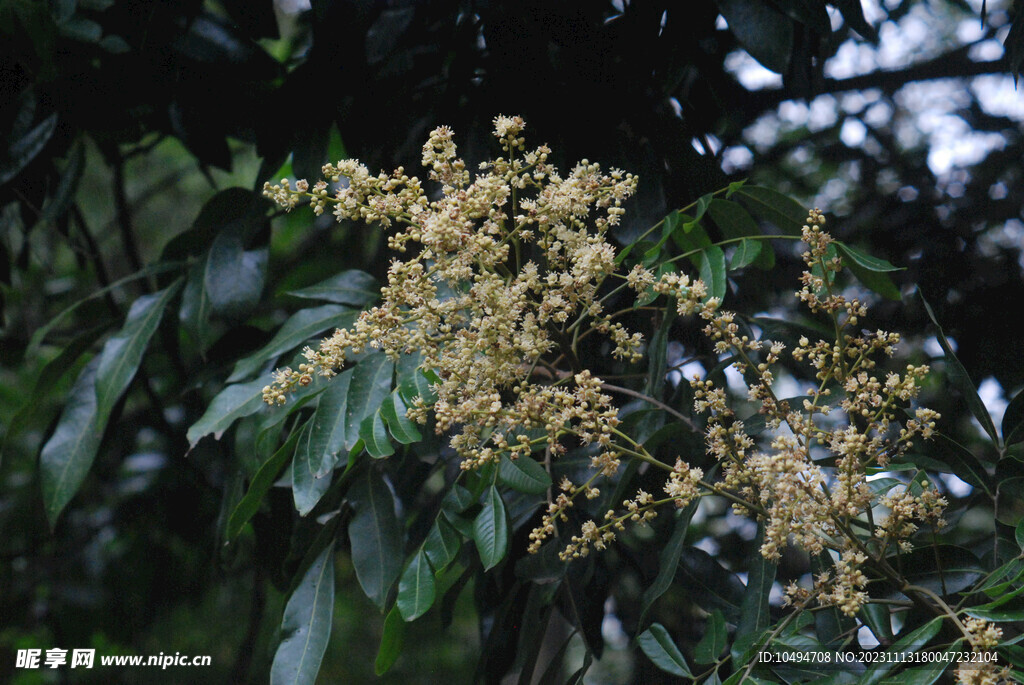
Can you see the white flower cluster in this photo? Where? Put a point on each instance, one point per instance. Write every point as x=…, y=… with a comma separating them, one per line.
x=502, y=273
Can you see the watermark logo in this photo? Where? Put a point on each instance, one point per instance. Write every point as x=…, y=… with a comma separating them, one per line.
x=86, y=658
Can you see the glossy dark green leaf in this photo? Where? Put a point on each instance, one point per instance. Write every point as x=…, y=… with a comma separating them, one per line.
x=238, y=211
x=769, y=205
x=1006, y=576
x=375, y=437
x=232, y=403
x=297, y=330
x=857, y=256
x=712, y=271
x=931, y=672
x=711, y=585
x=329, y=433
x=122, y=354
x=733, y=220
x=23, y=150
x=1013, y=420
x=416, y=589
x=375, y=535
x=668, y=559
x=233, y=277
x=46, y=383
x=875, y=281
x=1004, y=614
x=307, y=486
x=943, y=569
x=307, y=625
x=349, y=398
x=524, y=474
x=754, y=611
x=69, y=453
x=352, y=287
x=960, y=378
x=701, y=206
x=442, y=544
x=691, y=237
x=746, y=252
x=877, y=618
x=412, y=381
x=195, y=310
x=490, y=529
x=402, y=428
x=913, y=641
x=458, y=499
x=390, y=642
x=715, y=640
x=68, y=185
x=657, y=644
x=260, y=486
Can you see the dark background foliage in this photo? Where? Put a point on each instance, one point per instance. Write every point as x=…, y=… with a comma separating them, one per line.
x=120, y=120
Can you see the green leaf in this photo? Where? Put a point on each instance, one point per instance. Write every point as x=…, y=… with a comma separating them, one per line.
x=68, y=185
x=875, y=281
x=260, y=486
x=352, y=287
x=1013, y=420
x=47, y=382
x=68, y=455
x=958, y=374
x=746, y=252
x=402, y=428
x=371, y=383
x=350, y=397
x=657, y=644
x=715, y=640
x=524, y=474
x=911, y=642
x=862, y=259
x=711, y=585
x=122, y=354
x=232, y=403
x=307, y=486
x=390, y=642
x=375, y=437
x=23, y=150
x=928, y=674
x=943, y=569
x=754, y=612
x=194, y=312
x=414, y=382
x=490, y=530
x=668, y=560
x=877, y=618
x=297, y=330
x=458, y=499
x=712, y=271
x=375, y=536
x=784, y=212
x=233, y=277
x=307, y=625
x=40, y=334
x=1000, y=615
x=416, y=590
x=762, y=30
x=733, y=219
x=442, y=544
